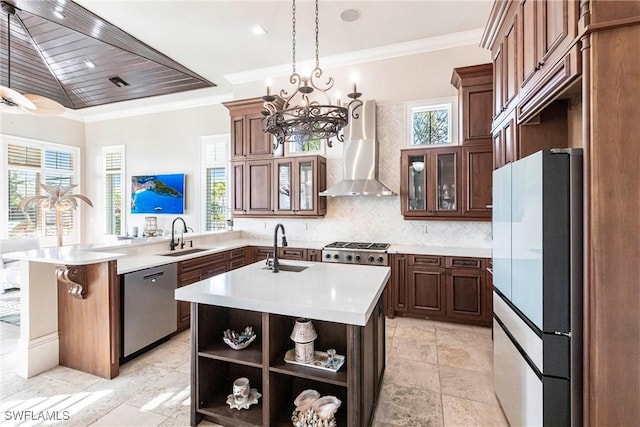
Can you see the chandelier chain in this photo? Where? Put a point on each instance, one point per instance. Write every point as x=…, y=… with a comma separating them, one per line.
x=317, y=37
x=293, y=20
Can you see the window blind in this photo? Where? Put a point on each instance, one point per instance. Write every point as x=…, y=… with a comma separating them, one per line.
x=113, y=161
x=216, y=159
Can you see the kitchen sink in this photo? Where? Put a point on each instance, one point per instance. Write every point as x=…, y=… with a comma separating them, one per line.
x=184, y=252
x=287, y=267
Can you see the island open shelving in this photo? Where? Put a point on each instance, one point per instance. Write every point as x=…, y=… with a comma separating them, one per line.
x=215, y=366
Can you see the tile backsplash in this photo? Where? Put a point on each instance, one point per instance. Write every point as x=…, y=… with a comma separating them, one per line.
x=368, y=219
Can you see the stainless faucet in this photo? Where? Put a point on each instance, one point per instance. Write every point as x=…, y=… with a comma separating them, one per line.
x=275, y=246
x=174, y=243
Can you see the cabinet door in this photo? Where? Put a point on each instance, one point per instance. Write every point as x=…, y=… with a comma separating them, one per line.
x=258, y=189
x=306, y=186
x=557, y=27
x=238, y=194
x=237, y=136
x=257, y=142
x=444, y=182
x=426, y=288
x=530, y=31
x=498, y=81
x=509, y=134
x=477, y=163
x=284, y=187
x=510, y=58
x=477, y=114
x=466, y=297
x=413, y=187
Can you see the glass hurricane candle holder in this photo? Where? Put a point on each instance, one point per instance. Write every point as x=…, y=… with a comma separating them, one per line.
x=150, y=225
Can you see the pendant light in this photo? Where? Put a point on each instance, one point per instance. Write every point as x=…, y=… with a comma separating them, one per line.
x=303, y=116
x=12, y=101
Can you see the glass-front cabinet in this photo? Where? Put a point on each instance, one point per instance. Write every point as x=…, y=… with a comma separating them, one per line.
x=430, y=183
x=297, y=185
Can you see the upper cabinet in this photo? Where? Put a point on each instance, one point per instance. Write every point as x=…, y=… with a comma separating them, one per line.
x=536, y=60
x=280, y=187
x=248, y=139
x=475, y=98
x=535, y=53
x=298, y=180
x=430, y=185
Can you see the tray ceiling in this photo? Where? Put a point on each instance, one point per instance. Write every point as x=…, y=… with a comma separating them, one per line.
x=48, y=56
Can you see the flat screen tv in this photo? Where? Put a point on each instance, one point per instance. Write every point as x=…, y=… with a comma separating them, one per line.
x=158, y=194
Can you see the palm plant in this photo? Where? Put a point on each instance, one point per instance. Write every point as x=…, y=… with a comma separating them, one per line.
x=58, y=199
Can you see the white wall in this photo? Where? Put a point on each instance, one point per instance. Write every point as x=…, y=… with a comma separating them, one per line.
x=170, y=142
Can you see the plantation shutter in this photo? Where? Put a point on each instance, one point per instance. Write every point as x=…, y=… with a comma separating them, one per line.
x=216, y=159
x=113, y=192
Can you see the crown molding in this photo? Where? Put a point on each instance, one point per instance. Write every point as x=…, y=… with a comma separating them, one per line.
x=447, y=41
x=97, y=114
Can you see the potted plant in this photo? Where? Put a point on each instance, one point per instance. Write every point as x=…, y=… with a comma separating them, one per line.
x=57, y=198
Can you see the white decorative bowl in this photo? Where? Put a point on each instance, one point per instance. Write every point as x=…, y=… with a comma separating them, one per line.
x=239, y=341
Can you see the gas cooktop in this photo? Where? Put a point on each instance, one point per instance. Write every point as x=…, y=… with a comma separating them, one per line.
x=358, y=245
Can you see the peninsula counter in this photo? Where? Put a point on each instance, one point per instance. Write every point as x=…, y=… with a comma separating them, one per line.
x=345, y=304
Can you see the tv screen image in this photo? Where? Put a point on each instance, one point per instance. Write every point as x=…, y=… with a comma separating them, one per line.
x=157, y=194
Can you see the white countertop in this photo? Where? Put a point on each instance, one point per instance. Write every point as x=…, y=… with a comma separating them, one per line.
x=67, y=255
x=339, y=293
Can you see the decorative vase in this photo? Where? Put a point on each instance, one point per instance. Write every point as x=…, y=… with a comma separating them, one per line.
x=303, y=335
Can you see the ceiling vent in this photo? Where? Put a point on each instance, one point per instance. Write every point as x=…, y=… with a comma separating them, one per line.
x=118, y=81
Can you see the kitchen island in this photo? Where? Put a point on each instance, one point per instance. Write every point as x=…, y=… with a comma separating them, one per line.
x=345, y=304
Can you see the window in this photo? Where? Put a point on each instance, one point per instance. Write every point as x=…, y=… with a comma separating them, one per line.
x=29, y=163
x=215, y=157
x=113, y=172
x=430, y=122
x=304, y=145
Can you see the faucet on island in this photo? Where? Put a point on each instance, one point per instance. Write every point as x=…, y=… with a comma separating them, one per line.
x=275, y=246
x=174, y=243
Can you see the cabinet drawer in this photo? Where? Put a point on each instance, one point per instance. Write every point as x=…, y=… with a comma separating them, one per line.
x=200, y=262
x=461, y=262
x=236, y=263
x=263, y=252
x=234, y=253
x=293, y=253
x=428, y=260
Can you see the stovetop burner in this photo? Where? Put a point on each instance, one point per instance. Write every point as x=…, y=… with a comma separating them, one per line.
x=358, y=245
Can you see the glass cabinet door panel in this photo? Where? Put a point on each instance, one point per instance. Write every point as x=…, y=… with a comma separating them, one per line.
x=446, y=182
x=284, y=186
x=305, y=179
x=416, y=188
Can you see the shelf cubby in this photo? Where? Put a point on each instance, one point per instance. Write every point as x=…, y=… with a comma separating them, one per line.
x=212, y=393
x=284, y=390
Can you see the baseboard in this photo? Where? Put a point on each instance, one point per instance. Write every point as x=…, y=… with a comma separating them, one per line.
x=38, y=355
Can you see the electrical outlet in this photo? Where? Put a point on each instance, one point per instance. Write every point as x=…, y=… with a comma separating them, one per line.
x=424, y=229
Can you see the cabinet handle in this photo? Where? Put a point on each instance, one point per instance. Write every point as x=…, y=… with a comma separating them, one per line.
x=540, y=64
x=489, y=206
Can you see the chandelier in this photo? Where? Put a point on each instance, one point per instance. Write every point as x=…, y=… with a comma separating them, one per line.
x=12, y=101
x=302, y=116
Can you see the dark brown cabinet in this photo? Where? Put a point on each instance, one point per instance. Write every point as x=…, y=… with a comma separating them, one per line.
x=475, y=98
x=253, y=187
x=451, y=289
x=280, y=187
x=430, y=185
x=425, y=287
x=298, y=180
x=215, y=365
x=449, y=182
x=248, y=138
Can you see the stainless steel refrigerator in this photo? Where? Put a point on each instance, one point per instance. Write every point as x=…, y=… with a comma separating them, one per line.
x=537, y=298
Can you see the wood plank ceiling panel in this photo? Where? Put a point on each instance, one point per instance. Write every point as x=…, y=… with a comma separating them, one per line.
x=48, y=58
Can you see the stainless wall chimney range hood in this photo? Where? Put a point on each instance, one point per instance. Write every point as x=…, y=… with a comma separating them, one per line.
x=360, y=158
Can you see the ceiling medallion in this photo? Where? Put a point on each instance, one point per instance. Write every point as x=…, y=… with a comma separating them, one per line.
x=304, y=117
x=12, y=101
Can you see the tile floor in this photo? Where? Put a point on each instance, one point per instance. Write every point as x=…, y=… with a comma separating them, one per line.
x=437, y=374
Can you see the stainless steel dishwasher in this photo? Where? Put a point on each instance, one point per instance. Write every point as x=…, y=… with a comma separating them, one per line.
x=149, y=308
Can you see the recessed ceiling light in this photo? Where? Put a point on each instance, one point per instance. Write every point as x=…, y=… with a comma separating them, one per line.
x=258, y=30
x=58, y=12
x=349, y=15
x=89, y=63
